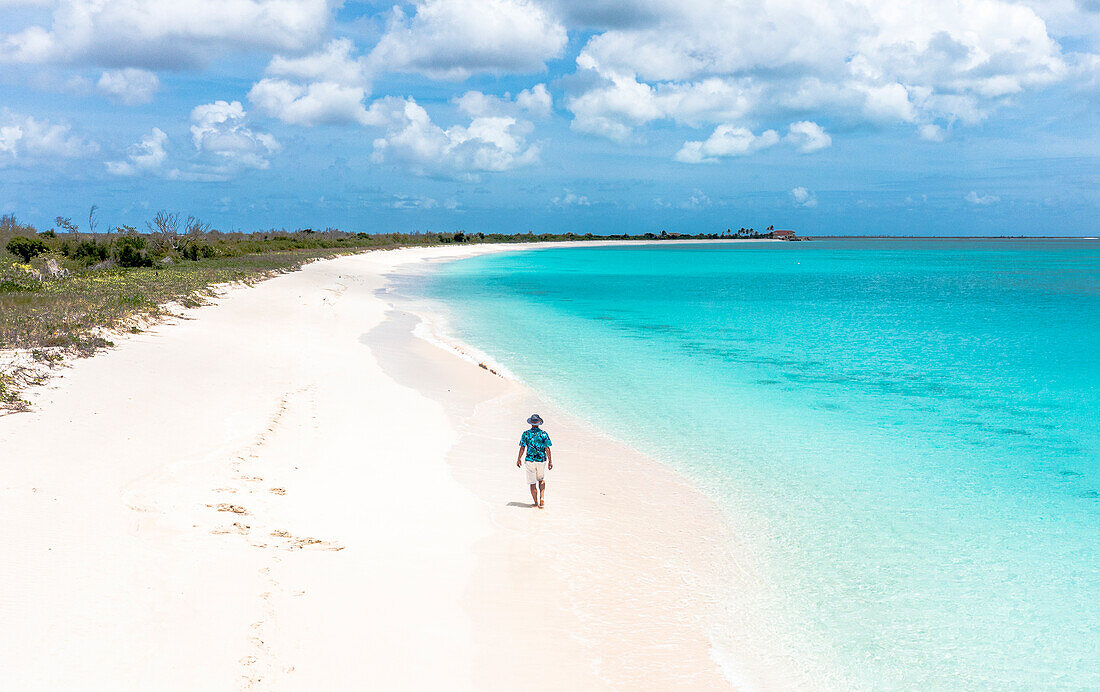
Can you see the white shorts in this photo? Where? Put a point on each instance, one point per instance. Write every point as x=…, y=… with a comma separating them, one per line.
x=536, y=471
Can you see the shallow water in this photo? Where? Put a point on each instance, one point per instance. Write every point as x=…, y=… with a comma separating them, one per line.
x=906, y=433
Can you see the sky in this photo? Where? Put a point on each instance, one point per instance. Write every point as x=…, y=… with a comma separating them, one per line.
x=922, y=117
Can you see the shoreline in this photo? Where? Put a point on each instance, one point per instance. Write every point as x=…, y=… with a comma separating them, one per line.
x=27, y=369
x=226, y=489
x=744, y=660
x=616, y=566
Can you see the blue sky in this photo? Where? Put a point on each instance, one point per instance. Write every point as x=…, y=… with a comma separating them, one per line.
x=926, y=117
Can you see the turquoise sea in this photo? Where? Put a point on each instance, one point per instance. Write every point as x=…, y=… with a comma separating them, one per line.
x=905, y=432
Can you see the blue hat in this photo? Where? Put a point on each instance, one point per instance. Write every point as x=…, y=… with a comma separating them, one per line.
x=535, y=419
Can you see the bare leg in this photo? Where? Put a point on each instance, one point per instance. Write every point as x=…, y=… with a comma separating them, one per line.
x=542, y=491
x=534, y=495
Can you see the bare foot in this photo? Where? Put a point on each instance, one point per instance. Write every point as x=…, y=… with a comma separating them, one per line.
x=541, y=503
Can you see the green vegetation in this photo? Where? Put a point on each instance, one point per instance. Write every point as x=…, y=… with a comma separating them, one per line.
x=60, y=286
x=26, y=247
x=67, y=312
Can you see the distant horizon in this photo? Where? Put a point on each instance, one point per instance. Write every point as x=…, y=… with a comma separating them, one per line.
x=102, y=229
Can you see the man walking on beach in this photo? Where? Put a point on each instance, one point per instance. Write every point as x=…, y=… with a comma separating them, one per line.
x=536, y=443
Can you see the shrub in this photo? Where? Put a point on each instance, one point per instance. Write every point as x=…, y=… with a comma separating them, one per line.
x=195, y=251
x=88, y=251
x=130, y=252
x=24, y=247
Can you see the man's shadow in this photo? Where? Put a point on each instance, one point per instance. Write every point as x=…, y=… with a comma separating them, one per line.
x=525, y=505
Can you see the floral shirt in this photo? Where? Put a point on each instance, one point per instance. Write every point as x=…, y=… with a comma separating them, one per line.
x=536, y=441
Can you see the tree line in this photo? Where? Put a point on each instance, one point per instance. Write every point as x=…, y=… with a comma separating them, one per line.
x=168, y=237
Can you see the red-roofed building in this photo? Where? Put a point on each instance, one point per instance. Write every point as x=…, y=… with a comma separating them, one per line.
x=783, y=235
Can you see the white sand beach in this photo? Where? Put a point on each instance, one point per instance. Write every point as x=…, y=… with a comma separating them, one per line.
x=289, y=490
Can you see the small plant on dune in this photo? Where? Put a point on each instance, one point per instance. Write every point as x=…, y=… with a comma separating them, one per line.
x=195, y=250
x=26, y=248
x=130, y=252
x=9, y=399
x=87, y=251
x=18, y=278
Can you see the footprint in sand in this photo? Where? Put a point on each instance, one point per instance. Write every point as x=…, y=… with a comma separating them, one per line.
x=226, y=507
x=315, y=544
x=298, y=543
x=237, y=528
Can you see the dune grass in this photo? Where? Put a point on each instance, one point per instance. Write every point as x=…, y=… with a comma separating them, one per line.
x=70, y=312
x=72, y=316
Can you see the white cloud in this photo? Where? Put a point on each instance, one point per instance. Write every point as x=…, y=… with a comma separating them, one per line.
x=535, y=102
x=411, y=202
x=218, y=129
x=808, y=136
x=488, y=143
x=886, y=102
x=333, y=63
x=1086, y=67
x=453, y=39
x=476, y=103
x=932, y=132
x=1070, y=18
x=611, y=106
x=495, y=139
x=318, y=103
x=568, y=198
x=146, y=156
x=223, y=146
x=139, y=33
x=614, y=108
x=982, y=200
x=23, y=137
x=9, y=138
x=803, y=197
x=726, y=140
x=335, y=85
x=697, y=199
x=128, y=86
x=717, y=61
